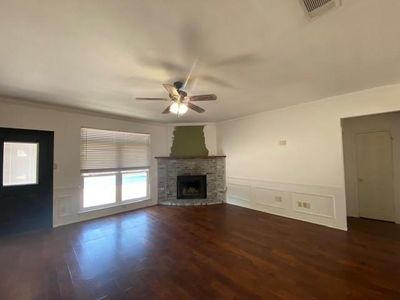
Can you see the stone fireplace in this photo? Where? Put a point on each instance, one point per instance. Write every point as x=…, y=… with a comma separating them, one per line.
x=191, y=180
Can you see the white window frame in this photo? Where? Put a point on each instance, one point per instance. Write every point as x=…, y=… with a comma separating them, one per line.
x=118, y=181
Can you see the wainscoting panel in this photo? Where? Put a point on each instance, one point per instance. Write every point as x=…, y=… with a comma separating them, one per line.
x=239, y=193
x=65, y=198
x=271, y=198
x=319, y=205
x=66, y=207
x=66, y=204
x=315, y=204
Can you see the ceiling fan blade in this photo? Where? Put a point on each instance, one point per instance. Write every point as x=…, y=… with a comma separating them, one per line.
x=249, y=58
x=195, y=108
x=142, y=79
x=168, y=66
x=188, y=78
x=210, y=97
x=215, y=80
x=171, y=90
x=166, y=111
x=155, y=99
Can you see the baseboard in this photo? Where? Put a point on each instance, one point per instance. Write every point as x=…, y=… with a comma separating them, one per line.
x=320, y=205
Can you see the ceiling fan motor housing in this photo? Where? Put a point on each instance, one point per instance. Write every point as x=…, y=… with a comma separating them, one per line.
x=178, y=85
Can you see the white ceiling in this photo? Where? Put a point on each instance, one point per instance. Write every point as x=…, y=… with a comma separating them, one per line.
x=101, y=54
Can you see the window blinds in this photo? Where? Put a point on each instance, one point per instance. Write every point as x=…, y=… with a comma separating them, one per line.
x=108, y=150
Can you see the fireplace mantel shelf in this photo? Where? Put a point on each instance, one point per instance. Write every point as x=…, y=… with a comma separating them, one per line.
x=190, y=157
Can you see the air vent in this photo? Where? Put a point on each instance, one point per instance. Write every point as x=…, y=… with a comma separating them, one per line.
x=317, y=7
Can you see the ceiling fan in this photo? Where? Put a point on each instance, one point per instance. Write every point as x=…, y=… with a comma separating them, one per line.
x=181, y=102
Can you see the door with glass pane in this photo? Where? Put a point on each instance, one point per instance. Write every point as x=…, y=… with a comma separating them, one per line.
x=26, y=180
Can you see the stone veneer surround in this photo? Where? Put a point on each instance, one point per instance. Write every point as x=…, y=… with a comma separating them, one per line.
x=171, y=167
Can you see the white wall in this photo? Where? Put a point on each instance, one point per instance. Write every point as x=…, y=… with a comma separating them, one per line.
x=264, y=175
x=66, y=126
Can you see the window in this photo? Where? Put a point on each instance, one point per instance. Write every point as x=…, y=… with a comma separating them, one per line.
x=99, y=189
x=114, y=167
x=20, y=163
x=134, y=185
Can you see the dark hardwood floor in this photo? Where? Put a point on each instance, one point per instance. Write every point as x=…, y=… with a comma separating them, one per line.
x=213, y=252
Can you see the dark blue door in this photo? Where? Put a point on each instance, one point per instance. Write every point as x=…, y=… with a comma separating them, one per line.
x=26, y=180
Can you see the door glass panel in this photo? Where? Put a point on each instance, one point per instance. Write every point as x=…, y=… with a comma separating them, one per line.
x=20, y=163
x=134, y=185
x=99, y=190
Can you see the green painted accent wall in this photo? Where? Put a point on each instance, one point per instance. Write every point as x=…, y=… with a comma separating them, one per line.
x=189, y=141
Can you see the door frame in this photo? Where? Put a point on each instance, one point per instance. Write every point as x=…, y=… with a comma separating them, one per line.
x=350, y=164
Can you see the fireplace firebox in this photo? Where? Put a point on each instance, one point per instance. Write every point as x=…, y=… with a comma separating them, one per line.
x=192, y=187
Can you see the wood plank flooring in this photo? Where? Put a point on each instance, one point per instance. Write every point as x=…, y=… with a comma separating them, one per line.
x=212, y=252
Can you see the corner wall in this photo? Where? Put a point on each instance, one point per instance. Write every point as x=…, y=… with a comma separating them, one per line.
x=278, y=159
x=66, y=126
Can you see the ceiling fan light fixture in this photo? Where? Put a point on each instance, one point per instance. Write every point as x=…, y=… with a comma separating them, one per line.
x=178, y=108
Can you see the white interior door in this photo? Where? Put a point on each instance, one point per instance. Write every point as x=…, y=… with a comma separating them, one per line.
x=375, y=175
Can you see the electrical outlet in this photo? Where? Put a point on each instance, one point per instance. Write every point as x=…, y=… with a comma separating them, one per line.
x=282, y=143
x=278, y=198
x=306, y=205
x=299, y=204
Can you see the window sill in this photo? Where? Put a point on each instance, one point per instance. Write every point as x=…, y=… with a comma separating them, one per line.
x=113, y=205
